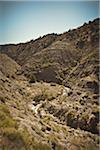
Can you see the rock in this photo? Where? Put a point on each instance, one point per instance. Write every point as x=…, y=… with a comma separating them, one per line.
x=66, y=91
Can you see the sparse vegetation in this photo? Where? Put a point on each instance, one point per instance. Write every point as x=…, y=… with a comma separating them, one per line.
x=50, y=101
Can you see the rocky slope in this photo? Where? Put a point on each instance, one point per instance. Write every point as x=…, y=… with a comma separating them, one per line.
x=49, y=95
x=65, y=55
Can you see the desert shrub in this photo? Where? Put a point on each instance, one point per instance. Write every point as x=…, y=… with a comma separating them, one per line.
x=5, y=118
x=14, y=139
x=53, y=84
x=2, y=99
x=39, y=97
x=37, y=145
x=33, y=79
x=80, y=44
x=12, y=134
x=4, y=108
x=72, y=120
x=27, y=138
x=46, y=64
x=7, y=122
x=44, y=95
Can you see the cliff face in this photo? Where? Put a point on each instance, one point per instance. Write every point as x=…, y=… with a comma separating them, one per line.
x=49, y=92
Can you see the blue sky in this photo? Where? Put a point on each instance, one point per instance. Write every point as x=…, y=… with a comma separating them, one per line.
x=23, y=21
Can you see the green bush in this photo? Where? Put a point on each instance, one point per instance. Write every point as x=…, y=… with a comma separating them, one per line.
x=5, y=118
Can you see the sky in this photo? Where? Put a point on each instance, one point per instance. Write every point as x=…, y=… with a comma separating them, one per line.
x=27, y=20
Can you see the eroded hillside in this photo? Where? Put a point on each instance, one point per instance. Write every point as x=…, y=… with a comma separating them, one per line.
x=49, y=98
x=68, y=56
